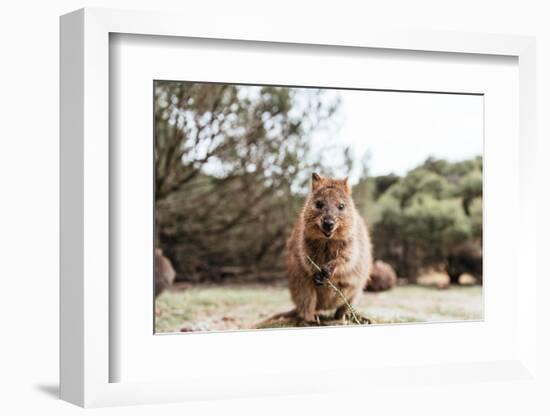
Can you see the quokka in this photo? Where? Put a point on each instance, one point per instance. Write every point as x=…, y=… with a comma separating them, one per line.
x=332, y=233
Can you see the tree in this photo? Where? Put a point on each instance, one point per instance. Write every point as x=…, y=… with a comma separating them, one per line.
x=231, y=163
x=429, y=217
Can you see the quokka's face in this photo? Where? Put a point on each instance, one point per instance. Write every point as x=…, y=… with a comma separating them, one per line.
x=329, y=209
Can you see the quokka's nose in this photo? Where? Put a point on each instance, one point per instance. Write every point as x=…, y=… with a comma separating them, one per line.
x=328, y=224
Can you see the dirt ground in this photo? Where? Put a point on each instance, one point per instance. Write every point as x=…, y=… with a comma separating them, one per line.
x=230, y=307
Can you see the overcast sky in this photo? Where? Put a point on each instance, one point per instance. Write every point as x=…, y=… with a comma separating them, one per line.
x=397, y=130
x=400, y=130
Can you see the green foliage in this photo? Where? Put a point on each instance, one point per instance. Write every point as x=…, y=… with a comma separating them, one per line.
x=420, y=181
x=382, y=183
x=476, y=216
x=470, y=187
x=435, y=221
x=428, y=214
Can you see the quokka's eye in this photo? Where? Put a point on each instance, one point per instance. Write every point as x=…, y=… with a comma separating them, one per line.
x=341, y=207
x=319, y=204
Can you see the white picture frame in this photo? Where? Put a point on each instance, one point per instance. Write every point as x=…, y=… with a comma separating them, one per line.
x=86, y=352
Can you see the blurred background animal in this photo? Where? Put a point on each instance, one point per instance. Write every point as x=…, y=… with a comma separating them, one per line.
x=164, y=272
x=382, y=277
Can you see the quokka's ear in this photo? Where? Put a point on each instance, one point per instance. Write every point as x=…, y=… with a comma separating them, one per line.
x=347, y=186
x=316, y=181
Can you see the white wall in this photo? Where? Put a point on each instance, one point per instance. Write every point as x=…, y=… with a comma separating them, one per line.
x=29, y=185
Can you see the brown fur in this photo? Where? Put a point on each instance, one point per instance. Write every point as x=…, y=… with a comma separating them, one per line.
x=345, y=255
x=164, y=272
x=382, y=277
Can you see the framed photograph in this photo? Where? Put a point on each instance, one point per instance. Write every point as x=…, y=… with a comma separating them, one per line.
x=248, y=215
x=258, y=239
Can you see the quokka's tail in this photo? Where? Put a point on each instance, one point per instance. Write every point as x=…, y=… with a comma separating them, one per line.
x=288, y=314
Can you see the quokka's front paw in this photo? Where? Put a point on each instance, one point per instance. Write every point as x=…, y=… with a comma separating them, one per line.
x=320, y=277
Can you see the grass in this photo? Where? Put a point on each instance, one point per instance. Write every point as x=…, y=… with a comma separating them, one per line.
x=230, y=307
